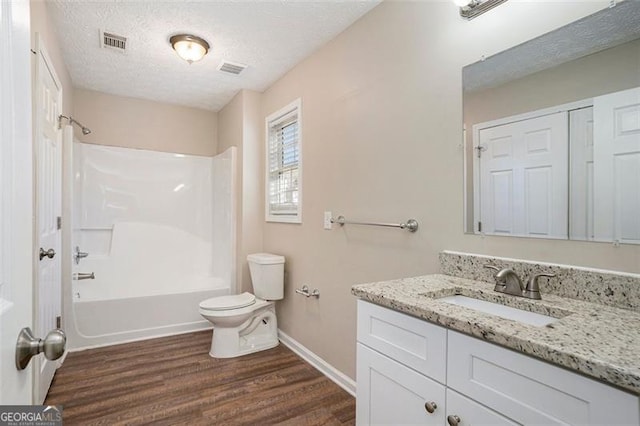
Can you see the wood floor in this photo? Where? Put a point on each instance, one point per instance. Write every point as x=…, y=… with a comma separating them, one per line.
x=173, y=380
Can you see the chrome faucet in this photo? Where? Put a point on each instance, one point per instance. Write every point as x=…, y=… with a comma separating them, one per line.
x=508, y=282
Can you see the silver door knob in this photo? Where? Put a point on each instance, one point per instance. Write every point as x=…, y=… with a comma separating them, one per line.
x=453, y=420
x=49, y=253
x=430, y=407
x=29, y=346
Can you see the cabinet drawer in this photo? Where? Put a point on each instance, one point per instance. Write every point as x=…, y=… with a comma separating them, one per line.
x=389, y=393
x=531, y=391
x=471, y=413
x=409, y=340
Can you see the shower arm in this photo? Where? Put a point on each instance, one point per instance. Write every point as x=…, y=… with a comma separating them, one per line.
x=85, y=130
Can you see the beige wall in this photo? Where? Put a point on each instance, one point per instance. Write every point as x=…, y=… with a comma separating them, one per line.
x=604, y=72
x=240, y=124
x=137, y=123
x=382, y=108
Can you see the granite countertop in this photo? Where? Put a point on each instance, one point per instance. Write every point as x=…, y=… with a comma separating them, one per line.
x=596, y=340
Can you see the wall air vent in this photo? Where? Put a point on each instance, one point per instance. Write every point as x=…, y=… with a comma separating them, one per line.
x=231, y=68
x=113, y=41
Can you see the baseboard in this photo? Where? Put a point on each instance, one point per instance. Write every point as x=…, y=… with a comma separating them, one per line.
x=321, y=365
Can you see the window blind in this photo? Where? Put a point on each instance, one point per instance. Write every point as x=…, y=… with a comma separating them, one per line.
x=284, y=165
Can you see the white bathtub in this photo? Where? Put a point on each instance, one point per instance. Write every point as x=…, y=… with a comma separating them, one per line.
x=149, y=284
x=156, y=244
x=103, y=322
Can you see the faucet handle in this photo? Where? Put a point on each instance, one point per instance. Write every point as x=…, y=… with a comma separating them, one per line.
x=500, y=283
x=532, y=290
x=494, y=267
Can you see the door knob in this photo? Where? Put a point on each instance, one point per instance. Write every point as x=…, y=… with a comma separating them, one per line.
x=49, y=253
x=29, y=346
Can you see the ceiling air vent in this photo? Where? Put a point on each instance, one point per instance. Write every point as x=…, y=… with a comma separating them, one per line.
x=231, y=68
x=113, y=41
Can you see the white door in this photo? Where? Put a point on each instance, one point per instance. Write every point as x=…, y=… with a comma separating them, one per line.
x=48, y=146
x=16, y=197
x=523, y=172
x=389, y=393
x=617, y=166
x=581, y=172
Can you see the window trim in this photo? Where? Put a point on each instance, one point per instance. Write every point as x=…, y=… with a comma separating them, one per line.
x=288, y=109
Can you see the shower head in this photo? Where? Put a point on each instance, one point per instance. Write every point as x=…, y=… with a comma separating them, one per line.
x=85, y=130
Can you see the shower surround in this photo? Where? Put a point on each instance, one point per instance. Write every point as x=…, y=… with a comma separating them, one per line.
x=160, y=232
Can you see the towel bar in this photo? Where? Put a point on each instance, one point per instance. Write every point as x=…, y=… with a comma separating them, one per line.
x=411, y=225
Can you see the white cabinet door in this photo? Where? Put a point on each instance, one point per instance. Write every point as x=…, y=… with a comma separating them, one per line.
x=411, y=341
x=617, y=166
x=531, y=391
x=524, y=177
x=462, y=411
x=389, y=393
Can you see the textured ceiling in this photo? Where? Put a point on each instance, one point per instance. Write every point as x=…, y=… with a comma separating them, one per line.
x=607, y=28
x=268, y=36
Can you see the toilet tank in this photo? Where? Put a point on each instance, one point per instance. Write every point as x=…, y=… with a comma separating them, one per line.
x=267, y=275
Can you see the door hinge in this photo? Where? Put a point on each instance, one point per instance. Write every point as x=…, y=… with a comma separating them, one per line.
x=58, y=321
x=479, y=226
x=59, y=222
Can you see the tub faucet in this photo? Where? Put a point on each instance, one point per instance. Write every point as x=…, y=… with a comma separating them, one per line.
x=84, y=276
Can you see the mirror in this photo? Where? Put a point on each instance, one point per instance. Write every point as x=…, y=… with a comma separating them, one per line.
x=552, y=133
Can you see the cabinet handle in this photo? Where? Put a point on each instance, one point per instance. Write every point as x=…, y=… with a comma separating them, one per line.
x=430, y=407
x=453, y=420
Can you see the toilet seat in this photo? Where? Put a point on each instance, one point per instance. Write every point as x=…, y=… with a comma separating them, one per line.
x=230, y=302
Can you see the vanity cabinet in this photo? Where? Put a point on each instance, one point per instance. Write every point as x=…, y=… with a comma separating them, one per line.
x=410, y=371
x=395, y=394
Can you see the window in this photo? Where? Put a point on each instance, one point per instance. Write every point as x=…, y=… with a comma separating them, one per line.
x=284, y=165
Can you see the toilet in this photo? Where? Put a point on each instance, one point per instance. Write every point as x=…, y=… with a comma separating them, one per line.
x=246, y=323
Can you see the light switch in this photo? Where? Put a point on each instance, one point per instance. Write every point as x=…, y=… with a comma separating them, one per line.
x=327, y=220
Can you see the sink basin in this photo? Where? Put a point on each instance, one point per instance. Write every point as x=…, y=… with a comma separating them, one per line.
x=519, y=315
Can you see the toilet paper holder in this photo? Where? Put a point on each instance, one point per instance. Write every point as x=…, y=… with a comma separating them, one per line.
x=305, y=292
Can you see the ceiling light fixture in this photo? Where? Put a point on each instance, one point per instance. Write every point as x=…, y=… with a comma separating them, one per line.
x=189, y=47
x=469, y=9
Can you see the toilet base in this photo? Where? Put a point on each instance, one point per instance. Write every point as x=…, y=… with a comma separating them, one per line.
x=258, y=333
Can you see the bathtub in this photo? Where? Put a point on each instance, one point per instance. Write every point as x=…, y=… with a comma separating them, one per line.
x=156, y=244
x=136, y=318
x=149, y=281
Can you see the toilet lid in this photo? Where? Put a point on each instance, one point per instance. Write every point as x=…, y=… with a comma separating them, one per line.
x=224, y=303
